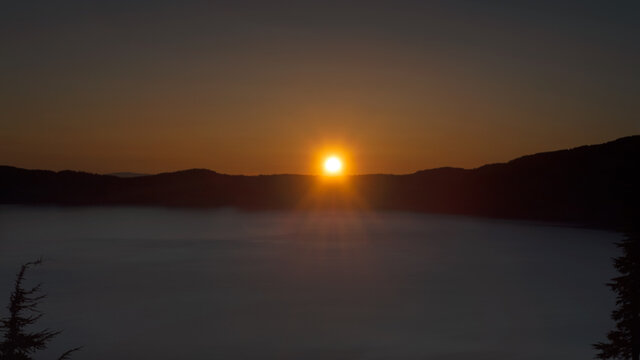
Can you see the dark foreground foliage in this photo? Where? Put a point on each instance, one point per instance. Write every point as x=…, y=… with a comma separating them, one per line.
x=18, y=343
x=624, y=341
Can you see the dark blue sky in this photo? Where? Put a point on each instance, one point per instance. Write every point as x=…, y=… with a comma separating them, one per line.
x=262, y=86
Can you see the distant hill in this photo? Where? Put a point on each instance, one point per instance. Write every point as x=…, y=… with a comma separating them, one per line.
x=127, y=174
x=595, y=185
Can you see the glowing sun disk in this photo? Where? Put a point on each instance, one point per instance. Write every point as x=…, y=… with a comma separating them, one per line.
x=333, y=165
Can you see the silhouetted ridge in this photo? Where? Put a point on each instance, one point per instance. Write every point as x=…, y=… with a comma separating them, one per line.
x=127, y=174
x=443, y=171
x=595, y=184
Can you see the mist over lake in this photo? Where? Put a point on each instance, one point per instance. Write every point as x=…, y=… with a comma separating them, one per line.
x=155, y=283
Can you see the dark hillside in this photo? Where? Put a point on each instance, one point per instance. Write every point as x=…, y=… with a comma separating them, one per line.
x=596, y=184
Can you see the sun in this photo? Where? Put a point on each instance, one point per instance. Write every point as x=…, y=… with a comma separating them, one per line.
x=332, y=165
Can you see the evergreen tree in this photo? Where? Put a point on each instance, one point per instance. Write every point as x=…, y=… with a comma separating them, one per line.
x=624, y=341
x=18, y=343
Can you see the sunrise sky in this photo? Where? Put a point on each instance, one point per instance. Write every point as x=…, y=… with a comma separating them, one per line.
x=248, y=87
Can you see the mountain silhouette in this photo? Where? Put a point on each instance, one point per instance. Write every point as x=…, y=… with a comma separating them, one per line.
x=127, y=174
x=595, y=185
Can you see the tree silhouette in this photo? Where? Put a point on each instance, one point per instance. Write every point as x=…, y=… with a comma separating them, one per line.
x=18, y=343
x=624, y=341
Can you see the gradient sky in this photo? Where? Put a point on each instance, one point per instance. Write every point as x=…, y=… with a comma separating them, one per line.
x=266, y=86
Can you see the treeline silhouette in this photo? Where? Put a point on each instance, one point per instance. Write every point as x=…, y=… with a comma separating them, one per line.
x=624, y=341
x=595, y=185
x=19, y=341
